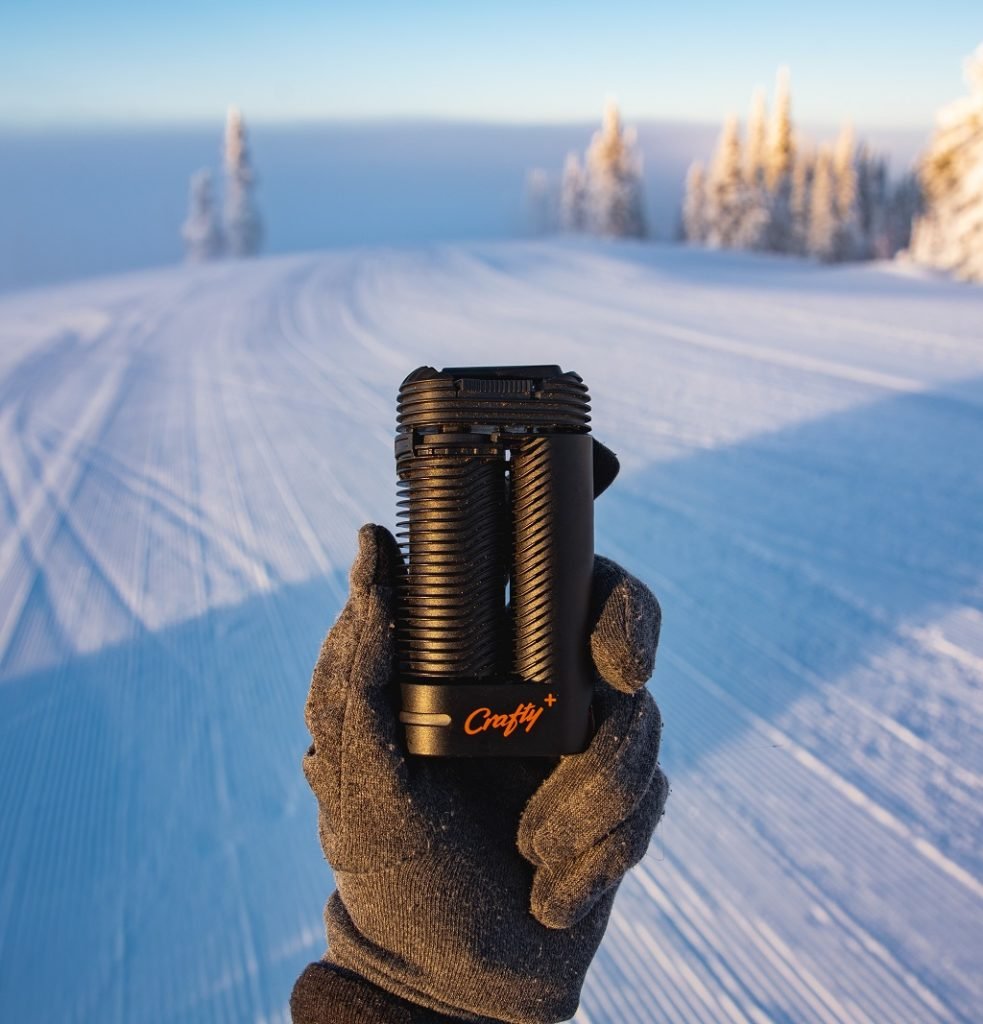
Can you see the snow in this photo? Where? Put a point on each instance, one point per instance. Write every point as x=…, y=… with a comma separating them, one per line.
x=186, y=456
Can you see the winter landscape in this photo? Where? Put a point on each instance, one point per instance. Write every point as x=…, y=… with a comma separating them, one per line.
x=781, y=327
x=187, y=456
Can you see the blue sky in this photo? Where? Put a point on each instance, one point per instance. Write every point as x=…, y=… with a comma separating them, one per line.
x=877, y=62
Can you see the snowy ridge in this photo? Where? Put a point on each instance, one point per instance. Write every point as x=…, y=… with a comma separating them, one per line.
x=186, y=456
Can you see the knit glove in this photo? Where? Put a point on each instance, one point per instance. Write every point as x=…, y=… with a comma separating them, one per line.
x=477, y=889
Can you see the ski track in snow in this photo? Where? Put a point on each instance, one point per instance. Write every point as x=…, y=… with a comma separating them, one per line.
x=186, y=457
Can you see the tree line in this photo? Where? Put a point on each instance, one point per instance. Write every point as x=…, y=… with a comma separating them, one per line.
x=773, y=191
x=768, y=189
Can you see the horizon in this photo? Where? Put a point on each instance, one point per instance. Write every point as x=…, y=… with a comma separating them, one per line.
x=92, y=201
x=208, y=121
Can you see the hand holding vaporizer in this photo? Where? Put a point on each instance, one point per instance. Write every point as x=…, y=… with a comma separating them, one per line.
x=469, y=888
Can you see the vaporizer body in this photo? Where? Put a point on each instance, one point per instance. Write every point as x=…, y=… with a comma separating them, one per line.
x=496, y=525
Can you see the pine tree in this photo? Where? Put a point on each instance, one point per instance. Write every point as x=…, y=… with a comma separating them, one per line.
x=573, y=198
x=799, y=200
x=200, y=231
x=780, y=155
x=695, y=205
x=779, y=163
x=821, y=240
x=905, y=204
x=727, y=193
x=754, y=232
x=757, y=140
x=846, y=242
x=755, y=219
x=615, y=206
x=950, y=233
x=781, y=197
x=243, y=228
x=872, y=205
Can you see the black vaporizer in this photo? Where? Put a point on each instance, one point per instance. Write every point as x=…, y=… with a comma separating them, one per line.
x=496, y=526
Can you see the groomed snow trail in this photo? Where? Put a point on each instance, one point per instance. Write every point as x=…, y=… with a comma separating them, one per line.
x=185, y=457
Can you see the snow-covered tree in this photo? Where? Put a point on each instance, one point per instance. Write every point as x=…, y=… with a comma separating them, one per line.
x=763, y=195
x=243, y=227
x=757, y=200
x=779, y=162
x=872, y=205
x=200, y=231
x=799, y=200
x=755, y=220
x=540, y=203
x=781, y=137
x=847, y=241
x=573, y=196
x=949, y=235
x=757, y=140
x=905, y=205
x=695, y=204
x=821, y=240
x=727, y=194
x=615, y=206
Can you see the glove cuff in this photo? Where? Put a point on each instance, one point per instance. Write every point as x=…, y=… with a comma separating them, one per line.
x=328, y=994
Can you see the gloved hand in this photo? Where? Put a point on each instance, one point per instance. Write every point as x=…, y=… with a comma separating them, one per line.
x=476, y=888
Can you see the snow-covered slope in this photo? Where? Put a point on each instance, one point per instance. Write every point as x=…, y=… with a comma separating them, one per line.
x=186, y=456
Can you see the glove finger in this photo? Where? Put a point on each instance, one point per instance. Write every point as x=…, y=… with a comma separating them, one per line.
x=355, y=765
x=361, y=630
x=626, y=621
x=589, y=795
x=564, y=894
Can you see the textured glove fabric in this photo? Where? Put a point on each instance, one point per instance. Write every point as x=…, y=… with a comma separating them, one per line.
x=326, y=994
x=478, y=889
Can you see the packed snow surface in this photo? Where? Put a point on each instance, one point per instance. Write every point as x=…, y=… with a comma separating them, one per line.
x=186, y=457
